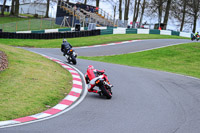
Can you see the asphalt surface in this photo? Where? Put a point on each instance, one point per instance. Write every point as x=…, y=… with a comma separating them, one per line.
x=144, y=101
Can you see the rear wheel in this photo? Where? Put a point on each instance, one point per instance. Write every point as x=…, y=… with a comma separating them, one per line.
x=73, y=60
x=106, y=92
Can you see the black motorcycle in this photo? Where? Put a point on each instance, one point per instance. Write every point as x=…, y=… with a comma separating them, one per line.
x=71, y=56
x=195, y=38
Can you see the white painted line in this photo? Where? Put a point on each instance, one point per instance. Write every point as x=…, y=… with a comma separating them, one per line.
x=2, y=123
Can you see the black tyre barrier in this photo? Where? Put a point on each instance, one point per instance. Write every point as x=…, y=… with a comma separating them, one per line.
x=56, y=35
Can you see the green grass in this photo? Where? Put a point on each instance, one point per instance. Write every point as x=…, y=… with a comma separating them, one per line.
x=7, y=19
x=183, y=59
x=30, y=83
x=83, y=41
x=13, y=24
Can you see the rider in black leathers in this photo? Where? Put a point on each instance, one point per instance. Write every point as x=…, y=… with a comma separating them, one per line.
x=65, y=46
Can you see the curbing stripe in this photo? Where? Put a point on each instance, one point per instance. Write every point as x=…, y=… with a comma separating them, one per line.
x=40, y=115
x=66, y=102
x=25, y=119
x=77, y=86
x=76, y=79
x=75, y=76
x=60, y=106
x=77, y=90
x=77, y=82
x=71, y=98
x=74, y=94
x=52, y=111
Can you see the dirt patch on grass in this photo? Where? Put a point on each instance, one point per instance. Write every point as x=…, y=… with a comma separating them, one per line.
x=3, y=61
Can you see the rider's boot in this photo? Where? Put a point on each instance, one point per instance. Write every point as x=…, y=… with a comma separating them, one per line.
x=100, y=93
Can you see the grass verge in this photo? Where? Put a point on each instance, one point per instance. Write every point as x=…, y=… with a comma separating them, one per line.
x=11, y=24
x=30, y=83
x=83, y=41
x=7, y=19
x=183, y=59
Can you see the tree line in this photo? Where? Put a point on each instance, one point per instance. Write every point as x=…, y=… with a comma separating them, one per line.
x=184, y=11
x=15, y=7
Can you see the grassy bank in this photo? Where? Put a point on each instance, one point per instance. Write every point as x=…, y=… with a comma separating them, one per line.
x=30, y=83
x=11, y=24
x=83, y=41
x=182, y=59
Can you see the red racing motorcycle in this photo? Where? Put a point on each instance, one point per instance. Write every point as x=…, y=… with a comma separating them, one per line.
x=101, y=81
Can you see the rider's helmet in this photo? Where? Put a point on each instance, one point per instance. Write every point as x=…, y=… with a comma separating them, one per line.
x=64, y=40
x=90, y=67
x=197, y=32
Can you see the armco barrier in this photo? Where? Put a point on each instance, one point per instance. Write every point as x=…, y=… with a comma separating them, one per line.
x=64, y=30
x=154, y=32
x=176, y=33
x=105, y=32
x=56, y=35
x=131, y=31
x=38, y=31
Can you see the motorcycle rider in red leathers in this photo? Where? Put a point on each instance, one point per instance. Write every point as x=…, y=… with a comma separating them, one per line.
x=91, y=76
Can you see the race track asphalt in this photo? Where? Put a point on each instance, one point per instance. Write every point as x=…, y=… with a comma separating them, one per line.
x=144, y=100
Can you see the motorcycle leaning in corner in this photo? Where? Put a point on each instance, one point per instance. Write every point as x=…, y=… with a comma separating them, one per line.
x=68, y=52
x=71, y=56
x=195, y=37
x=96, y=78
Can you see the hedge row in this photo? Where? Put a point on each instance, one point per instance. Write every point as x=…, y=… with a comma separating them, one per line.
x=57, y=35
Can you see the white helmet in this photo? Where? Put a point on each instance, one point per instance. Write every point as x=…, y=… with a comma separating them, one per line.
x=90, y=67
x=64, y=40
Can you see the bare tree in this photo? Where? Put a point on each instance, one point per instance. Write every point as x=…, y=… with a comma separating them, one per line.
x=47, y=10
x=136, y=12
x=184, y=12
x=120, y=9
x=97, y=3
x=126, y=12
x=85, y=2
x=195, y=4
x=143, y=7
x=113, y=3
x=167, y=13
x=12, y=12
x=160, y=9
x=3, y=8
x=16, y=8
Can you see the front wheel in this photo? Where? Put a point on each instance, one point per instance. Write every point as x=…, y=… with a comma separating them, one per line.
x=73, y=60
x=106, y=92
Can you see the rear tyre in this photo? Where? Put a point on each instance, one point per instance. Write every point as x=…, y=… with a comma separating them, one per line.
x=106, y=92
x=73, y=60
